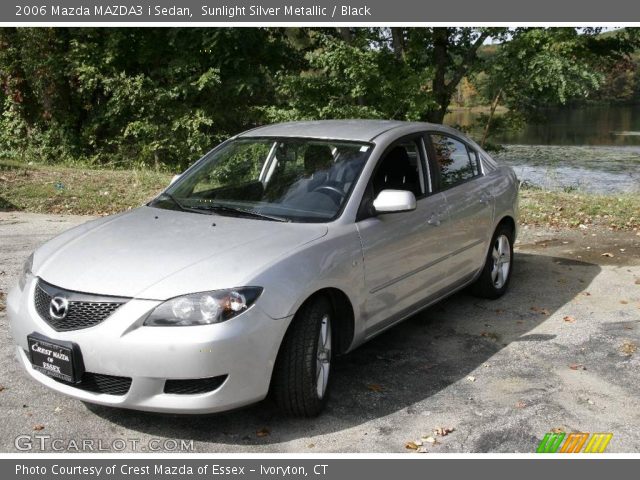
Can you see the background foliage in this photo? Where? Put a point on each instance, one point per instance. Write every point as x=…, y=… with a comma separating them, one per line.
x=162, y=96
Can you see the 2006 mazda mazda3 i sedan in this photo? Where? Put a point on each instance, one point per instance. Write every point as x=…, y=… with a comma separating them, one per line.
x=278, y=250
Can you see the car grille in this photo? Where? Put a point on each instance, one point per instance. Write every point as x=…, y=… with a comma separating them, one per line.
x=84, y=310
x=99, y=383
x=193, y=386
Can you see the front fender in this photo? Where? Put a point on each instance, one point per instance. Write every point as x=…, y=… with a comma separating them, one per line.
x=333, y=261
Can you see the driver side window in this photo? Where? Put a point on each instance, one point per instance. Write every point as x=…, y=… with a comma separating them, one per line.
x=400, y=168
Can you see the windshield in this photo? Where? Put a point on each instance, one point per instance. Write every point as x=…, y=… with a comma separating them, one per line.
x=283, y=179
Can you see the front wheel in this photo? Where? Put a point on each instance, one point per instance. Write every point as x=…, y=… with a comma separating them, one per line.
x=302, y=372
x=494, y=279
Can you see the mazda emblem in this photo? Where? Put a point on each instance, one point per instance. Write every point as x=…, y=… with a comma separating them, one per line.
x=58, y=308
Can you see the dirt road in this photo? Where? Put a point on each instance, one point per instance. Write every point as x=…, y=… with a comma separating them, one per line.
x=559, y=351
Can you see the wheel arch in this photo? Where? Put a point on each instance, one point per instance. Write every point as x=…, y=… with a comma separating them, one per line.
x=508, y=221
x=343, y=323
x=343, y=330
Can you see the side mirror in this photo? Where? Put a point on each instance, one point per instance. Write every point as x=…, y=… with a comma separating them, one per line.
x=393, y=201
x=173, y=180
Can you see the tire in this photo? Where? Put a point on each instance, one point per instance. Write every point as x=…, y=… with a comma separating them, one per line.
x=494, y=279
x=301, y=377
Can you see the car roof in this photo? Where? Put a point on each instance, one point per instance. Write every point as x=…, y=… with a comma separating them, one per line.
x=356, y=130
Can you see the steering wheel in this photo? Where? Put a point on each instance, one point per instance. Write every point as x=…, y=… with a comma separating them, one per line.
x=331, y=192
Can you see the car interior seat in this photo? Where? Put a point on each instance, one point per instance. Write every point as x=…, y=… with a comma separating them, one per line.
x=318, y=160
x=396, y=173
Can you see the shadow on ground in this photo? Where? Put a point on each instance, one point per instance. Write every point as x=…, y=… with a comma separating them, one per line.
x=403, y=367
x=6, y=205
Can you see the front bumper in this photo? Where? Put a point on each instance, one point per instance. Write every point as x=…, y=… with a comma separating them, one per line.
x=243, y=348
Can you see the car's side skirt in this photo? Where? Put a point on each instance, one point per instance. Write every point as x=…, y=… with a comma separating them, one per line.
x=408, y=312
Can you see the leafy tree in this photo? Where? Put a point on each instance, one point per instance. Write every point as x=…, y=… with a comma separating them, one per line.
x=404, y=73
x=133, y=96
x=542, y=67
x=162, y=96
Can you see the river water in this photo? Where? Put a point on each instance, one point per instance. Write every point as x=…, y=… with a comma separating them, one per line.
x=595, y=149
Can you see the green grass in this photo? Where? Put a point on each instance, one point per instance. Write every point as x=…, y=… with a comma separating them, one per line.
x=56, y=189
x=571, y=209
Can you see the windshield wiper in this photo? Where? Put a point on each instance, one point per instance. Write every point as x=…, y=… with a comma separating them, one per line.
x=216, y=207
x=173, y=200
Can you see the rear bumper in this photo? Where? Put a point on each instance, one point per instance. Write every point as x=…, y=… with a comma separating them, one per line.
x=243, y=349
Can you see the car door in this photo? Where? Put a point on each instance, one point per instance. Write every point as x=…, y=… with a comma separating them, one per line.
x=403, y=252
x=469, y=204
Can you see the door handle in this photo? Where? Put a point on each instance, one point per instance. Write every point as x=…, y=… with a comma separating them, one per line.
x=434, y=220
x=484, y=199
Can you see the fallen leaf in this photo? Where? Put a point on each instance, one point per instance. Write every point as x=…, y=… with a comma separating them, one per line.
x=422, y=450
x=471, y=378
x=263, y=432
x=541, y=311
x=569, y=319
x=557, y=430
x=430, y=440
x=37, y=427
x=520, y=404
x=418, y=442
x=1, y=388
x=628, y=348
x=586, y=293
x=493, y=336
x=443, y=431
x=606, y=254
x=411, y=446
x=374, y=387
x=577, y=366
x=624, y=302
x=311, y=445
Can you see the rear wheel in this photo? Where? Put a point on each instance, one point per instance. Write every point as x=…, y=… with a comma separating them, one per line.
x=301, y=377
x=494, y=279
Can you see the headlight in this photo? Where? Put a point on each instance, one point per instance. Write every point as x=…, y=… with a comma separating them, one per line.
x=203, y=308
x=26, y=272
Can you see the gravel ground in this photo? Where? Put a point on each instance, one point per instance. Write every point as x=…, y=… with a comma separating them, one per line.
x=557, y=352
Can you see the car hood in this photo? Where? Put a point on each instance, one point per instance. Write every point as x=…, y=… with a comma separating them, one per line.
x=158, y=254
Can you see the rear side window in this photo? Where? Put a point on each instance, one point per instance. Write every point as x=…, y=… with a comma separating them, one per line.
x=455, y=162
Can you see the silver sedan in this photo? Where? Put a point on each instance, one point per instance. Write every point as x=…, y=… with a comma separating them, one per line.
x=281, y=248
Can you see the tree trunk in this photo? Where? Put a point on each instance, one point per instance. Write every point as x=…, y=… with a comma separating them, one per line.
x=494, y=105
x=397, y=38
x=441, y=62
x=444, y=67
x=346, y=34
